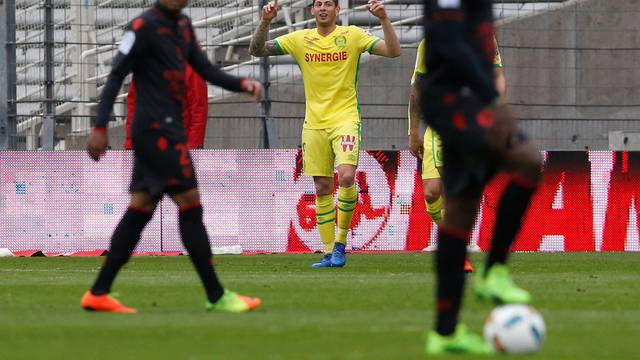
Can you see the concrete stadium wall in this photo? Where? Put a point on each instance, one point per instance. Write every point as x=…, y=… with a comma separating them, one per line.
x=566, y=59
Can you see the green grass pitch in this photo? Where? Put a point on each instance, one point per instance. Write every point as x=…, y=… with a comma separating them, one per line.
x=378, y=307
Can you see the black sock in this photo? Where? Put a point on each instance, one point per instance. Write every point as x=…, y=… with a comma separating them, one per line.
x=195, y=240
x=513, y=205
x=124, y=239
x=452, y=250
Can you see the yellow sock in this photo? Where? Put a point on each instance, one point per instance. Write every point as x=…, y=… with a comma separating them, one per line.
x=325, y=218
x=434, y=209
x=347, y=200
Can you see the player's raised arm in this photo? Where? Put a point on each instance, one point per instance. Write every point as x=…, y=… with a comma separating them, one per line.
x=213, y=74
x=259, y=45
x=390, y=46
x=447, y=34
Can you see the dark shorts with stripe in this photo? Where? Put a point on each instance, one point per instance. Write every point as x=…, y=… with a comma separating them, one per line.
x=462, y=122
x=162, y=165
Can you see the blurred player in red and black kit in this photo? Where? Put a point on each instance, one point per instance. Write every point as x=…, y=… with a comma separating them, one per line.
x=157, y=47
x=479, y=138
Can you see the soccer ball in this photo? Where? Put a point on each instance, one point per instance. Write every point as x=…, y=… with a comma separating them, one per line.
x=515, y=329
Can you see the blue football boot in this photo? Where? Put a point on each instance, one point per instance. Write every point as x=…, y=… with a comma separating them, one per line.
x=338, y=258
x=324, y=262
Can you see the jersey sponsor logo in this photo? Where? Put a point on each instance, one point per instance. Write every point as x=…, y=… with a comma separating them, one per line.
x=128, y=40
x=326, y=57
x=340, y=41
x=175, y=80
x=348, y=142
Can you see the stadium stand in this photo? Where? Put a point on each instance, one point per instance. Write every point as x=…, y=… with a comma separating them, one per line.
x=86, y=35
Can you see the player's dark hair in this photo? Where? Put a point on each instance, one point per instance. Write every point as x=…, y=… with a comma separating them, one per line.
x=335, y=2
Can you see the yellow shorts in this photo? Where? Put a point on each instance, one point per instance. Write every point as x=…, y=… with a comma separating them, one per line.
x=432, y=156
x=322, y=149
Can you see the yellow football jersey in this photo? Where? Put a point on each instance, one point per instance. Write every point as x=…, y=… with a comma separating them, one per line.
x=421, y=67
x=329, y=66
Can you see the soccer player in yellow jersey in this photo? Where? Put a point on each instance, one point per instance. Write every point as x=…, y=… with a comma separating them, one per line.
x=328, y=56
x=430, y=149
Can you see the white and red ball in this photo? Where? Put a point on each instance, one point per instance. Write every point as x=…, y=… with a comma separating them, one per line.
x=515, y=329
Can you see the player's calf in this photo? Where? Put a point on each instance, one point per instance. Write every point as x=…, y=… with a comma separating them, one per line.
x=196, y=241
x=123, y=241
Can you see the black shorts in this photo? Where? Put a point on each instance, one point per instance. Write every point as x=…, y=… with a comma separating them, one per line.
x=462, y=122
x=162, y=165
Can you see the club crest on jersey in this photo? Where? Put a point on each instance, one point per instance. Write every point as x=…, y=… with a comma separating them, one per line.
x=340, y=41
x=348, y=142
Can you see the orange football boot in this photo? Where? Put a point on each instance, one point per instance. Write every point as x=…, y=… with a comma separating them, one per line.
x=104, y=303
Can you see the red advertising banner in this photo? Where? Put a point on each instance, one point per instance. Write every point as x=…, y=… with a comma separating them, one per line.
x=260, y=201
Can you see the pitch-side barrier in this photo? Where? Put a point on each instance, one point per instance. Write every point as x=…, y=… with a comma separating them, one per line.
x=258, y=201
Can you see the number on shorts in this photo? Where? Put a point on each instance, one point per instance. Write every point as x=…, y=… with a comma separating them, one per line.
x=184, y=154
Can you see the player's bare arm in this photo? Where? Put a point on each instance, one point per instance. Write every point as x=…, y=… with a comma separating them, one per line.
x=501, y=81
x=415, y=140
x=390, y=46
x=259, y=45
